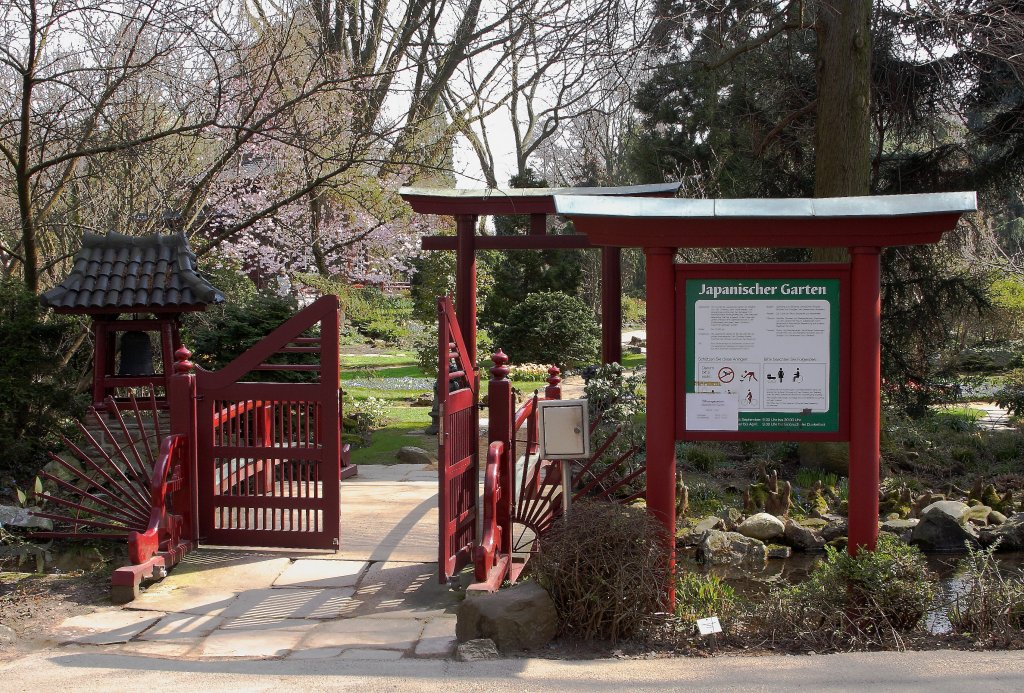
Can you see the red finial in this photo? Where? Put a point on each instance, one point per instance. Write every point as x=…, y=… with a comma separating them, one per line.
x=500, y=370
x=182, y=365
x=553, y=378
x=553, y=391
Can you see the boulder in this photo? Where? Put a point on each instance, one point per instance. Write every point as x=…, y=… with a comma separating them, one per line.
x=978, y=514
x=731, y=517
x=476, y=650
x=1010, y=534
x=901, y=528
x=803, y=538
x=13, y=516
x=779, y=551
x=943, y=526
x=424, y=400
x=996, y=518
x=836, y=527
x=732, y=548
x=693, y=535
x=522, y=617
x=414, y=455
x=763, y=526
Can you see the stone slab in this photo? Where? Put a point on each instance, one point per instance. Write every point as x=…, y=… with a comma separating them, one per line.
x=246, y=639
x=403, y=590
x=384, y=521
x=377, y=655
x=192, y=599
x=316, y=653
x=227, y=570
x=182, y=627
x=319, y=573
x=175, y=649
x=438, y=638
x=366, y=632
x=267, y=605
x=107, y=627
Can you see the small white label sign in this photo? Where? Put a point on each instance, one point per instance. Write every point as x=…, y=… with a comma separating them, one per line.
x=709, y=625
x=712, y=412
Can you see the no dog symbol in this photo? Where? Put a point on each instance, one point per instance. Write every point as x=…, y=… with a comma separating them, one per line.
x=726, y=374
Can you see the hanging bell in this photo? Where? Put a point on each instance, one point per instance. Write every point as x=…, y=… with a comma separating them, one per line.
x=136, y=354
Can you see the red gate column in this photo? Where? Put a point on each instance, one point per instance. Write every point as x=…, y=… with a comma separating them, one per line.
x=465, y=280
x=661, y=391
x=865, y=404
x=611, y=304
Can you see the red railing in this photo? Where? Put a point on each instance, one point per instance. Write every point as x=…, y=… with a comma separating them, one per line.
x=501, y=554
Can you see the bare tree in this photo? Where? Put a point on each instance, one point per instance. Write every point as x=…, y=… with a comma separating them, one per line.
x=560, y=62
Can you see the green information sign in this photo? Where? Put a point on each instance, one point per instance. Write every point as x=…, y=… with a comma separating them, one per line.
x=762, y=355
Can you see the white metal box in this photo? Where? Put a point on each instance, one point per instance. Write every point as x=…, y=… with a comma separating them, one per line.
x=564, y=429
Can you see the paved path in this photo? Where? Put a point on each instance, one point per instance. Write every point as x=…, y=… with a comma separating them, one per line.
x=377, y=598
x=74, y=668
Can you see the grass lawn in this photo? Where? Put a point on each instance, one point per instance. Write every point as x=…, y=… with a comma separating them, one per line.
x=390, y=359
x=634, y=360
x=389, y=371
x=405, y=427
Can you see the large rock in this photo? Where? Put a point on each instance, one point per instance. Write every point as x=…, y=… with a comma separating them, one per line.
x=476, y=650
x=836, y=527
x=522, y=617
x=903, y=529
x=944, y=527
x=803, y=538
x=414, y=455
x=732, y=548
x=763, y=526
x=731, y=517
x=694, y=535
x=13, y=516
x=1010, y=534
x=978, y=514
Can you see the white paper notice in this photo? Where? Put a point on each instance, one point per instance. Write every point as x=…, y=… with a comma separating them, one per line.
x=712, y=412
x=709, y=625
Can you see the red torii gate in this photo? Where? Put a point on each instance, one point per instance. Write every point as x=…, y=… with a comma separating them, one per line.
x=468, y=205
x=864, y=225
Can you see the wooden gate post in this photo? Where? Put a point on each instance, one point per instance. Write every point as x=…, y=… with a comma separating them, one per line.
x=465, y=281
x=181, y=399
x=611, y=304
x=865, y=404
x=500, y=410
x=661, y=394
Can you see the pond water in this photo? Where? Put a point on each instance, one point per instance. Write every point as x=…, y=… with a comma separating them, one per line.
x=796, y=569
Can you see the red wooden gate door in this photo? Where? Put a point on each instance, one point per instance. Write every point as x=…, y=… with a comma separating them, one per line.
x=458, y=436
x=269, y=452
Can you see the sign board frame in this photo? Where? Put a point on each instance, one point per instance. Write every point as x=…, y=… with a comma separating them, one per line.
x=839, y=399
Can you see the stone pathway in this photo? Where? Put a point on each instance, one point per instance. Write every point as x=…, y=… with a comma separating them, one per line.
x=996, y=418
x=376, y=599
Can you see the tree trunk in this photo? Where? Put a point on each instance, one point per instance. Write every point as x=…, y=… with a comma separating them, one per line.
x=842, y=140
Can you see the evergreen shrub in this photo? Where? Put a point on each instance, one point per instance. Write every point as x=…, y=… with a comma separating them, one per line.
x=550, y=327
x=38, y=399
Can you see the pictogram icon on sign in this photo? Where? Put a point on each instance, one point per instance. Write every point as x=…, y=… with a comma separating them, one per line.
x=726, y=374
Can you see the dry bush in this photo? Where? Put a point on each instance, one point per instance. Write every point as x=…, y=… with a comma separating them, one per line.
x=605, y=569
x=991, y=605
